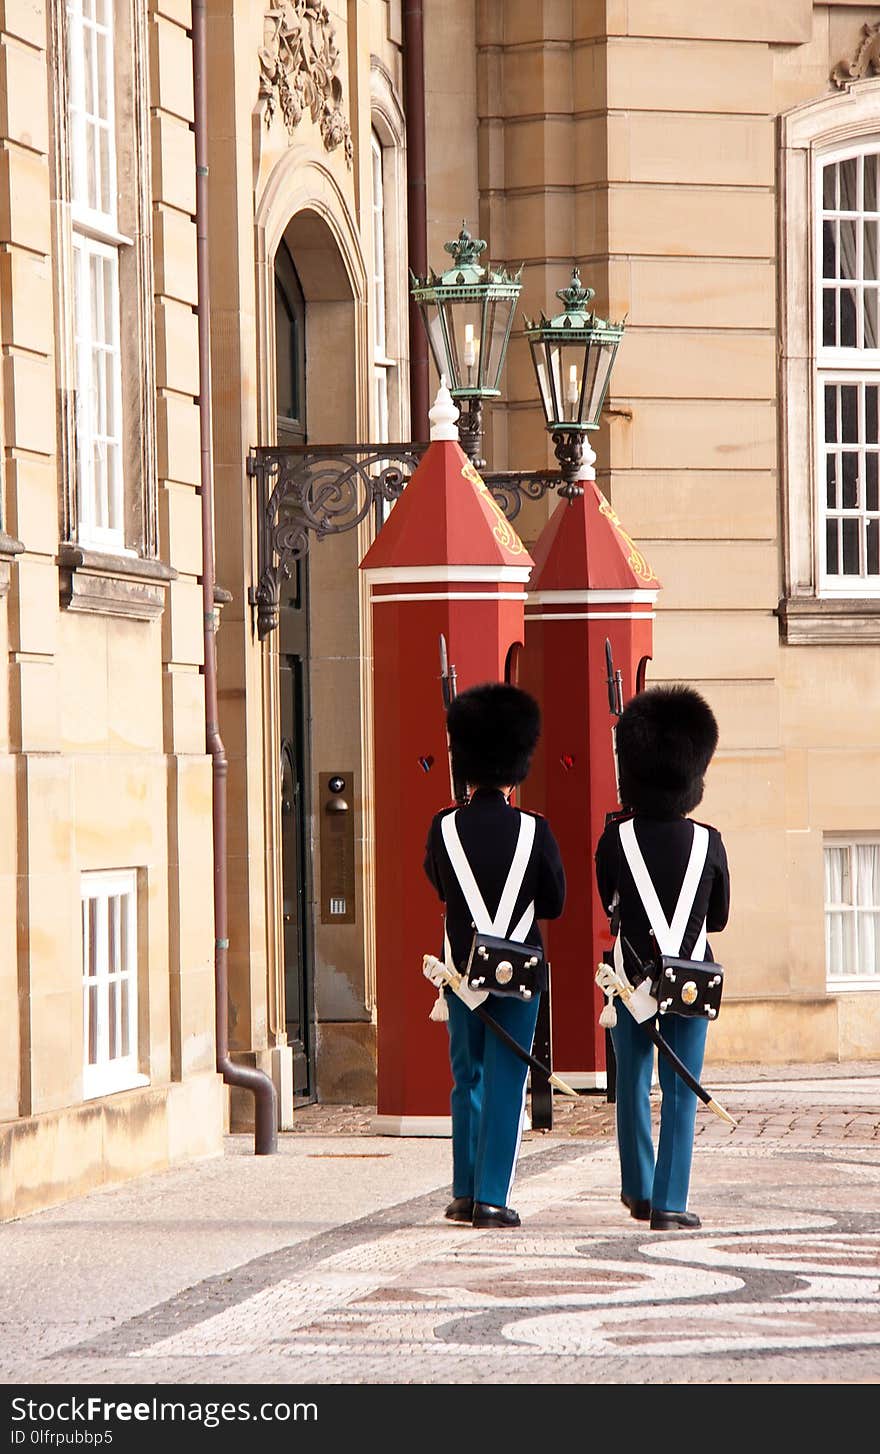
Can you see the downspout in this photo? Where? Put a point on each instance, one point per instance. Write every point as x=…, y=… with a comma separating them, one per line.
x=265, y=1108
x=416, y=208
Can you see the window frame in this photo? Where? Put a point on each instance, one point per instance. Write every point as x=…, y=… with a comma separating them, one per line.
x=811, y=610
x=93, y=500
x=103, y=222
x=836, y=364
x=382, y=364
x=106, y=1076
x=849, y=982
x=389, y=366
x=841, y=586
x=125, y=226
x=95, y=233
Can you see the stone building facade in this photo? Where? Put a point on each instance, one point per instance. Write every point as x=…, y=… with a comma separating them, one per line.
x=712, y=170
x=709, y=172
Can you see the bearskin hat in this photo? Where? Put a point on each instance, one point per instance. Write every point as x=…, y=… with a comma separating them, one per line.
x=493, y=730
x=665, y=740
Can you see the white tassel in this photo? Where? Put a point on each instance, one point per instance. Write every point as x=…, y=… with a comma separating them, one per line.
x=439, y=1009
x=608, y=1017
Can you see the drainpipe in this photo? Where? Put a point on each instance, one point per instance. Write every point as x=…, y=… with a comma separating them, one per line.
x=416, y=208
x=265, y=1108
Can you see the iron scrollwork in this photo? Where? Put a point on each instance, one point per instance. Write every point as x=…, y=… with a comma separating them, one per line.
x=509, y=488
x=307, y=491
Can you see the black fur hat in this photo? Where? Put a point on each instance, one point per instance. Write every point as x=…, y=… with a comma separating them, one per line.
x=493, y=731
x=665, y=740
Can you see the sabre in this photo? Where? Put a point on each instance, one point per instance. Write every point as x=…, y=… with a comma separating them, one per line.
x=434, y=969
x=611, y=983
x=614, y=680
x=449, y=688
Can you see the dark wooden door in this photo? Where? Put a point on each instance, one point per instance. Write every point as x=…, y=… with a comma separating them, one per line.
x=293, y=644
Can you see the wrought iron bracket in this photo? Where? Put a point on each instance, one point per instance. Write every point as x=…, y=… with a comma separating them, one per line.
x=315, y=490
x=306, y=491
x=510, y=488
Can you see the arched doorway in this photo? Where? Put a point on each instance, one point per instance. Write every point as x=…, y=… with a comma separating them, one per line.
x=315, y=668
x=293, y=696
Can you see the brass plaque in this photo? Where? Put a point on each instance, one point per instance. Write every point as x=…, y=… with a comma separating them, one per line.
x=336, y=846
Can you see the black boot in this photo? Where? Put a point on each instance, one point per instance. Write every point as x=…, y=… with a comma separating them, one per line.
x=460, y=1209
x=672, y=1221
x=638, y=1207
x=488, y=1216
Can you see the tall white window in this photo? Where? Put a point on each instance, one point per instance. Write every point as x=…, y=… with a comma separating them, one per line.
x=96, y=244
x=852, y=912
x=381, y=362
x=848, y=370
x=110, y=986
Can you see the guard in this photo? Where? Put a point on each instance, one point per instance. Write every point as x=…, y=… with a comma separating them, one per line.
x=498, y=871
x=664, y=882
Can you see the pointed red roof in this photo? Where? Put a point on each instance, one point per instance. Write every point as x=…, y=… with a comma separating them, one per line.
x=585, y=547
x=446, y=516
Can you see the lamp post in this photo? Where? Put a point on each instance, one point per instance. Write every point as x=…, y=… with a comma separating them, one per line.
x=573, y=355
x=307, y=492
x=468, y=312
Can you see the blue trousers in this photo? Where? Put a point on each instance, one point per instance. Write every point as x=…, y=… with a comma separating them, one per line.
x=663, y=1181
x=488, y=1096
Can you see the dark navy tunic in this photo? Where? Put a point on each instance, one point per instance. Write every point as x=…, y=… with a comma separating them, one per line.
x=665, y=845
x=488, y=828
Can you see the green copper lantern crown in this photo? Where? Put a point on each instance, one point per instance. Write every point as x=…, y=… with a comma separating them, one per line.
x=573, y=354
x=468, y=312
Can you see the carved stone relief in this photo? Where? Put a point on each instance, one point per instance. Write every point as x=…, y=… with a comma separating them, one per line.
x=866, y=60
x=299, y=61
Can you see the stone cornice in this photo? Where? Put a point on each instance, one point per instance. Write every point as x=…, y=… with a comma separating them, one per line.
x=113, y=585
x=824, y=621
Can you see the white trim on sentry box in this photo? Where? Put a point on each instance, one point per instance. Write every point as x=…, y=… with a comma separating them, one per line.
x=392, y=575
x=598, y=598
x=452, y=596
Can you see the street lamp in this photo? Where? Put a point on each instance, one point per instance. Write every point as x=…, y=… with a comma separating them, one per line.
x=468, y=312
x=307, y=492
x=573, y=355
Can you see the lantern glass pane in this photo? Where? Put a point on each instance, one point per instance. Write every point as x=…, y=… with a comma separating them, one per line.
x=604, y=353
x=555, y=358
x=499, y=312
x=539, y=362
x=449, y=315
x=464, y=322
x=434, y=329
x=591, y=358
x=570, y=374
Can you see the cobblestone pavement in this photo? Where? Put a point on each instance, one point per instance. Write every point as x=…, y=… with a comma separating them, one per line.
x=766, y=1109
x=331, y=1262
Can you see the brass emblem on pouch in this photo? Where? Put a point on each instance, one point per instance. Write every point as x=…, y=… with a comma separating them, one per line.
x=688, y=992
x=504, y=972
